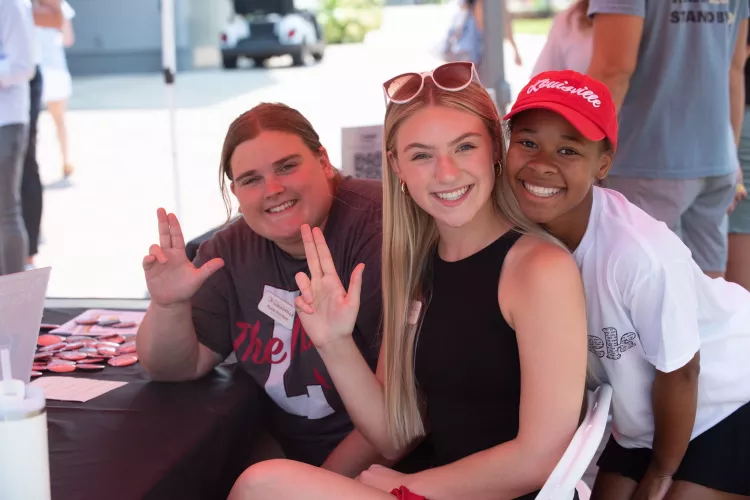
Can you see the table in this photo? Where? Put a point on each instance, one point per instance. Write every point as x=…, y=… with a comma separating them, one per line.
x=151, y=440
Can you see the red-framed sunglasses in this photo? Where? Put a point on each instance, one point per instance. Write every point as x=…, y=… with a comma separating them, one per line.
x=452, y=76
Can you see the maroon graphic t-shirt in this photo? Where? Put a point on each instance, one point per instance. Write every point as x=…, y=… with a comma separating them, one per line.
x=247, y=307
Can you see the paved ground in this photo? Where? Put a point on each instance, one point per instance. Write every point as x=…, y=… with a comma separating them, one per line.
x=98, y=224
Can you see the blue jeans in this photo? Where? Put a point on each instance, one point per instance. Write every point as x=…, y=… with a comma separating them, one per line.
x=14, y=240
x=31, y=184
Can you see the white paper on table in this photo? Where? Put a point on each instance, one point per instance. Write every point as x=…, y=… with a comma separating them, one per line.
x=362, y=151
x=75, y=389
x=21, y=309
x=73, y=328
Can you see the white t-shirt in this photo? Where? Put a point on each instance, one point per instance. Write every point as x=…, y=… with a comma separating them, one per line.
x=568, y=46
x=37, y=47
x=16, y=61
x=651, y=308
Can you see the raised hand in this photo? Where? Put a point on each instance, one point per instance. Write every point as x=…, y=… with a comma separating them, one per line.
x=171, y=278
x=327, y=311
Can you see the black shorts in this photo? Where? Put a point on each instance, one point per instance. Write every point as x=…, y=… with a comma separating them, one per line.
x=718, y=459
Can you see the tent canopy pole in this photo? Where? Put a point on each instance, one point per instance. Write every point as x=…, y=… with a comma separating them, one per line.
x=169, y=68
x=492, y=70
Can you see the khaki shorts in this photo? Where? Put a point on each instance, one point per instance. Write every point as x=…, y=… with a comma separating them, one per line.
x=695, y=209
x=739, y=220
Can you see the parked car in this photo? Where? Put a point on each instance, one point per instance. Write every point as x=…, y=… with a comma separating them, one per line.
x=261, y=29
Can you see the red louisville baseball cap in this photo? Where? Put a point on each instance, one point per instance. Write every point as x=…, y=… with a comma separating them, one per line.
x=585, y=102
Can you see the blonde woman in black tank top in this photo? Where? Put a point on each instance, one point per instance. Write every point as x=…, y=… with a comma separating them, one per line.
x=489, y=363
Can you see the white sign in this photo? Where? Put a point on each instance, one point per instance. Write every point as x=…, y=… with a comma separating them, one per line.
x=362, y=151
x=21, y=308
x=75, y=389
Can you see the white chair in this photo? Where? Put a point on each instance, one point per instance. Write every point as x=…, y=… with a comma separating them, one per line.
x=566, y=477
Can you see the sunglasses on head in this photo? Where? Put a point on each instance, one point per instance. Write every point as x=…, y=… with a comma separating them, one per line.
x=453, y=76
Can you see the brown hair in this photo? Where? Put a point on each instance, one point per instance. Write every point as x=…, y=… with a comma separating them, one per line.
x=263, y=117
x=581, y=11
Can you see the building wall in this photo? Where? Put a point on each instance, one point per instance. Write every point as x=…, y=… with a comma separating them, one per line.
x=124, y=36
x=207, y=17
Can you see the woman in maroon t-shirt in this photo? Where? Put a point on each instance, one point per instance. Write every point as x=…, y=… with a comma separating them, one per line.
x=237, y=296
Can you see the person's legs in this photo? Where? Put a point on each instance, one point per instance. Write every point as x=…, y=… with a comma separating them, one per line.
x=13, y=238
x=738, y=263
x=704, y=224
x=738, y=255
x=663, y=199
x=57, y=110
x=620, y=471
x=682, y=490
x=716, y=463
x=285, y=479
x=612, y=486
x=31, y=184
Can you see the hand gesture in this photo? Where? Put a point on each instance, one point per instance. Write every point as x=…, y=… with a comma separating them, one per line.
x=383, y=478
x=171, y=278
x=327, y=311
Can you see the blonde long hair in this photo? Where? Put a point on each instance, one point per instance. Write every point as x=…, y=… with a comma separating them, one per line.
x=409, y=238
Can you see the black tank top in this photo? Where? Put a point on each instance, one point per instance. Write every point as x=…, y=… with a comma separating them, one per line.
x=466, y=362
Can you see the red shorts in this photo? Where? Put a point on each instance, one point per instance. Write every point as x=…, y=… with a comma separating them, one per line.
x=403, y=494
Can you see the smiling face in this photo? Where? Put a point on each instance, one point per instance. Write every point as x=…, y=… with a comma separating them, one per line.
x=445, y=158
x=280, y=184
x=552, y=167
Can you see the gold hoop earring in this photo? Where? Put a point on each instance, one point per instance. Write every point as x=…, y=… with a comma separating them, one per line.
x=404, y=189
x=498, y=169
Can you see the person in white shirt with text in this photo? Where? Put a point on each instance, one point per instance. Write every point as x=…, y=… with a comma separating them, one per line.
x=673, y=342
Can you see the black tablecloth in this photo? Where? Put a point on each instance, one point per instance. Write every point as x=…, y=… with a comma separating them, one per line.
x=151, y=440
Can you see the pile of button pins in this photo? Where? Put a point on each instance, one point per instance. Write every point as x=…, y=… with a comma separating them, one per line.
x=61, y=354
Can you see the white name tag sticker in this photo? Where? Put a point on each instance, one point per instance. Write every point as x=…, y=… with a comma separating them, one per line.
x=277, y=309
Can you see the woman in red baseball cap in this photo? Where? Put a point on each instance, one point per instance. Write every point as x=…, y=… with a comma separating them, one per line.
x=673, y=343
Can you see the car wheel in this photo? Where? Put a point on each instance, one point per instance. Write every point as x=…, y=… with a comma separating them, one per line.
x=304, y=57
x=318, y=56
x=229, y=62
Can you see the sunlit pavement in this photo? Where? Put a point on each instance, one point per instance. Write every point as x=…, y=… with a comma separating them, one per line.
x=98, y=224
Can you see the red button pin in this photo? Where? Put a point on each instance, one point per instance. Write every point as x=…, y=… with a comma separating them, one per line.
x=46, y=340
x=124, y=360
